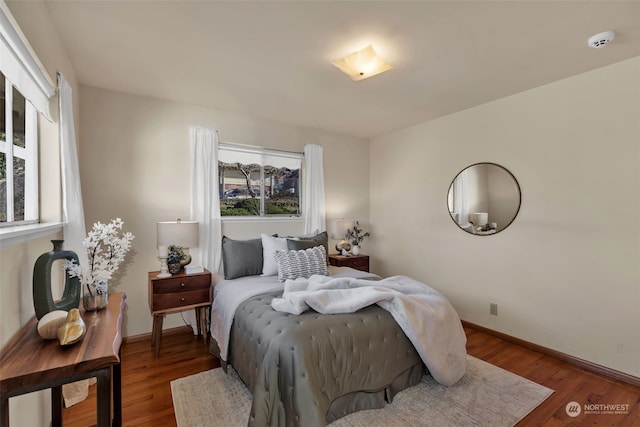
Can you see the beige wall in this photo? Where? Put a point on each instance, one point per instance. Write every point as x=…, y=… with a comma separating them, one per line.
x=134, y=164
x=566, y=273
x=16, y=262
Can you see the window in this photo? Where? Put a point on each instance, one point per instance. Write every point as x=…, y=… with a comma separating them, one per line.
x=18, y=157
x=258, y=182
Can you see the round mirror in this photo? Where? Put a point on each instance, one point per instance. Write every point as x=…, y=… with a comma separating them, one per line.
x=484, y=199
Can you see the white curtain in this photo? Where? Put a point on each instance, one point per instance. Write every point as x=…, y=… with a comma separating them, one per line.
x=205, y=203
x=313, y=189
x=461, y=197
x=72, y=208
x=74, y=230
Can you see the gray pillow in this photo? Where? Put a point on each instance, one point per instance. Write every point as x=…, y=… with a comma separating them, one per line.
x=241, y=257
x=321, y=239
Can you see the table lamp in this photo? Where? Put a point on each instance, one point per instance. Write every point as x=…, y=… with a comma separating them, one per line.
x=175, y=233
x=339, y=229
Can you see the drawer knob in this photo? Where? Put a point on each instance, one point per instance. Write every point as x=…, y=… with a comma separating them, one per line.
x=182, y=299
x=182, y=285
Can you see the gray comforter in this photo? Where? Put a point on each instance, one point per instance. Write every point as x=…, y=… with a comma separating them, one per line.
x=309, y=369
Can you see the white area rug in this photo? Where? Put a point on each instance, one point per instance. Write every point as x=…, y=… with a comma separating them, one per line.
x=485, y=396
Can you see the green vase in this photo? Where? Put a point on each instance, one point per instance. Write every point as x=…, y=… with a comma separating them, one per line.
x=42, y=297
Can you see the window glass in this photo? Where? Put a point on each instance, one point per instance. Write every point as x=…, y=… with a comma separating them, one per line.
x=3, y=188
x=259, y=183
x=18, y=115
x=18, y=157
x=3, y=126
x=18, y=188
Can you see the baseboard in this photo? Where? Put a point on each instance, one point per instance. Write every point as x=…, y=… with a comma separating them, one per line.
x=576, y=361
x=147, y=336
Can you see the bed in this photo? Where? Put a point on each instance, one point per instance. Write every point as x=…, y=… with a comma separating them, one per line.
x=309, y=369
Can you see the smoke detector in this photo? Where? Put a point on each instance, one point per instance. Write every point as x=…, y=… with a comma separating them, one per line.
x=601, y=40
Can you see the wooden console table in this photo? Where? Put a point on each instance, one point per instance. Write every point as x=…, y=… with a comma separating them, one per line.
x=28, y=363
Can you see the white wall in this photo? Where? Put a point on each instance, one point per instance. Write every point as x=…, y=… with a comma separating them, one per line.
x=134, y=164
x=566, y=273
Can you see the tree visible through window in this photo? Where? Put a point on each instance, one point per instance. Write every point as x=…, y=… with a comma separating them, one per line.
x=257, y=182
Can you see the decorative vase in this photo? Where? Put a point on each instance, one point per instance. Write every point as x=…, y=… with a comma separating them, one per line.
x=95, y=296
x=42, y=297
x=355, y=250
x=174, y=268
x=343, y=245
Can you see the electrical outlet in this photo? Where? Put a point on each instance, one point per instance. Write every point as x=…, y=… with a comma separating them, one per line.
x=493, y=309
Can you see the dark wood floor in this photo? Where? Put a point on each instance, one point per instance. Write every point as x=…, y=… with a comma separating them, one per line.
x=146, y=392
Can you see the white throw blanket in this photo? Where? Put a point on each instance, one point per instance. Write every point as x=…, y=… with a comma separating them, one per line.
x=425, y=316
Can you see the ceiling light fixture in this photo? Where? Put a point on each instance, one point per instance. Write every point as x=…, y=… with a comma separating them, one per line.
x=600, y=40
x=362, y=64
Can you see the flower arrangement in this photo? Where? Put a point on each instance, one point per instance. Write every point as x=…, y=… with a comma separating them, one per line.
x=106, y=250
x=356, y=235
x=176, y=254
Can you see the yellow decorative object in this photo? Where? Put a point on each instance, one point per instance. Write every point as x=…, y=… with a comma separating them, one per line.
x=50, y=322
x=73, y=328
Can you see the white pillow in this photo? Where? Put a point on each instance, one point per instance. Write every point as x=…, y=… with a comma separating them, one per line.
x=270, y=245
x=301, y=264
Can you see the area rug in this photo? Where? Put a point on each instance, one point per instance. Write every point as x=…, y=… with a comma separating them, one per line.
x=485, y=396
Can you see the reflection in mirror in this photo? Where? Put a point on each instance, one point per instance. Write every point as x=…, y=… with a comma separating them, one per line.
x=484, y=199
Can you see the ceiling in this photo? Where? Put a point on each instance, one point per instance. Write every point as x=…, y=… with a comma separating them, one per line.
x=271, y=59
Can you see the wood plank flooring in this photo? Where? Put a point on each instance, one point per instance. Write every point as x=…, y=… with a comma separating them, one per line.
x=146, y=392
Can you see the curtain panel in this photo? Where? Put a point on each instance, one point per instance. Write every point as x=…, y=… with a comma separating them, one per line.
x=313, y=207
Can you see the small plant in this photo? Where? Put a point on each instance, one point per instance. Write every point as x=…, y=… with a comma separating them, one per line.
x=355, y=235
x=176, y=254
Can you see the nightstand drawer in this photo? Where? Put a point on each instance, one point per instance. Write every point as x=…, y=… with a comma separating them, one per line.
x=172, y=300
x=358, y=262
x=181, y=284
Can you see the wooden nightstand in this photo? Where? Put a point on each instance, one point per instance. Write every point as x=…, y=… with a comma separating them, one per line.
x=359, y=262
x=178, y=293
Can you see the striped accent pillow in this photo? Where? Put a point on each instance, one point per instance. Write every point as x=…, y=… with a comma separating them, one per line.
x=303, y=263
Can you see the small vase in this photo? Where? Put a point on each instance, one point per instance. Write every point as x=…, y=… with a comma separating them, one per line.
x=174, y=268
x=355, y=250
x=95, y=296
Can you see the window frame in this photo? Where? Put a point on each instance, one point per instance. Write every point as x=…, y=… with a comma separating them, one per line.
x=227, y=146
x=28, y=153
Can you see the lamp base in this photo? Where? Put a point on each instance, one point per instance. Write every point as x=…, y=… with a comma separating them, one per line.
x=164, y=269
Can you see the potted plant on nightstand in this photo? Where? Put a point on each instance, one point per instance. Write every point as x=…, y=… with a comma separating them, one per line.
x=176, y=254
x=355, y=235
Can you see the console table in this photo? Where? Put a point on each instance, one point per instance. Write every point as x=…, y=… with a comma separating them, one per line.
x=28, y=363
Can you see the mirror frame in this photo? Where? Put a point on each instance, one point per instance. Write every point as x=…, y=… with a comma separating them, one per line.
x=515, y=214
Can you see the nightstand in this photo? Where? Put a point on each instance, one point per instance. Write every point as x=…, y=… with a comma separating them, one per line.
x=179, y=292
x=359, y=262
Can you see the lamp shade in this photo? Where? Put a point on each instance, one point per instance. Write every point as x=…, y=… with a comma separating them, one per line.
x=179, y=233
x=479, y=218
x=339, y=227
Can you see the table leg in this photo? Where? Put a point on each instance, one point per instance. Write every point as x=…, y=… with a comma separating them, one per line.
x=153, y=332
x=103, y=396
x=56, y=406
x=4, y=417
x=197, y=310
x=203, y=322
x=157, y=326
x=117, y=392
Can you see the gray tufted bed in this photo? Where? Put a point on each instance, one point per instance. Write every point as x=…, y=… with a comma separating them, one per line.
x=309, y=369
